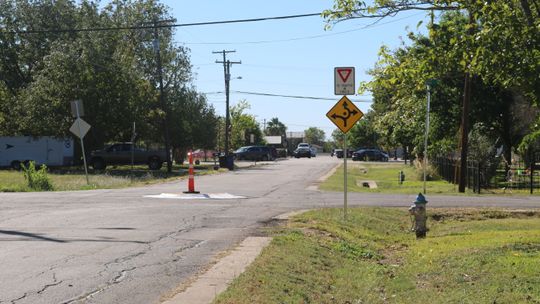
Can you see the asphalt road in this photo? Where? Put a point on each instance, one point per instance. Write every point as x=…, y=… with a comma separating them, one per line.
x=118, y=246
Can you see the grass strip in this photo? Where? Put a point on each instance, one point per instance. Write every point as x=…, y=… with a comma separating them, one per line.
x=385, y=175
x=469, y=256
x=112, y=178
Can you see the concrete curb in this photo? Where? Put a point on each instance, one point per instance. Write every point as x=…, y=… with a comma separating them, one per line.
x=206, y=287
x=216, y=280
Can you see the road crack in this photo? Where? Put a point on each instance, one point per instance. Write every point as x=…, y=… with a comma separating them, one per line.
x=40, y=291
x=116, y=280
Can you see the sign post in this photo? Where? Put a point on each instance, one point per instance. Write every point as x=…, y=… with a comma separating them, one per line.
x=344, y=114
x=345, y=154
x=80, y=128
x=429, y=85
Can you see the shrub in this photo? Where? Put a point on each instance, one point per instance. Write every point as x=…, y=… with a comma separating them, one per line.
x=37, y=179
x=431, y=171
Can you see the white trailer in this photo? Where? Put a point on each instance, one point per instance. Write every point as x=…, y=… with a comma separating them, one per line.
x=45, y=150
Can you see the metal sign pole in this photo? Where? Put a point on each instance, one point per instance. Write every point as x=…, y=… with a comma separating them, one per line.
x=426, y=135
x=133, y=135
x=82, y=143
x=345, y=152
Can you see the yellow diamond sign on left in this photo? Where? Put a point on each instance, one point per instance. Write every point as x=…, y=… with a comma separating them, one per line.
x=344, y=114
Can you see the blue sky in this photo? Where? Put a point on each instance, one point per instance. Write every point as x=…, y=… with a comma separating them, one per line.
x=291, y=63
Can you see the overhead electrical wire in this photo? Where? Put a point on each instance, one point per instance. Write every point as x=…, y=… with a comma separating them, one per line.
x=281, y=95
x=142, y=27
x=162, y=25
x=364, y=27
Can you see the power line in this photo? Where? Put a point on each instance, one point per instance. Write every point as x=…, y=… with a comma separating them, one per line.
x=285, y=96
x=143, y=27
x=365, y=27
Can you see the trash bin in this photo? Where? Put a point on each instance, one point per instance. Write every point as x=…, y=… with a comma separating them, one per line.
x=226, y=162
x=230, y=162
x=222, y=161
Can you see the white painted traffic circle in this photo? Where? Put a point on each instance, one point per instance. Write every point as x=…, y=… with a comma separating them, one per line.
x=191, y=196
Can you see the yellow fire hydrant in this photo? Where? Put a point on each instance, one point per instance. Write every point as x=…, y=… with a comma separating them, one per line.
x=418, y=211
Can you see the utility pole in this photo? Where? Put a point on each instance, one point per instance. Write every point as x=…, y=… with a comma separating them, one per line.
x=227, y=72
x=464, y=140
x=162, y=99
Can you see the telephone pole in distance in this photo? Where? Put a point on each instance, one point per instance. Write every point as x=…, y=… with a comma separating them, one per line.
x=164, y=107
x=227, y=72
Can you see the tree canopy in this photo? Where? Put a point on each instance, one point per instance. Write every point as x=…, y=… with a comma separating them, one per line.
x=244, y=127
x=275, y=128
x=113, y=72
x=497, y=43
x=314, y=136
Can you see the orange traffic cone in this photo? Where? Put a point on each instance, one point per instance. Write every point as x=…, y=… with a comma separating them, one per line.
x=191, y=178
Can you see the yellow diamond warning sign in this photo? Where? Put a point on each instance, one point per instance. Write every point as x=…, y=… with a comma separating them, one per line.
x=344, y=114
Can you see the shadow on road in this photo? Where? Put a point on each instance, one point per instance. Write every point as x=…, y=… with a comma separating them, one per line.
x=39, y=237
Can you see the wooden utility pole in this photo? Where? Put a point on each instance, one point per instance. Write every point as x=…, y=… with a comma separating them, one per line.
x=227, y=72
x=162, y=99
x=464, y=141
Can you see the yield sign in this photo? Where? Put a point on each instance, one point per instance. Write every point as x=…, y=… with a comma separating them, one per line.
x=344, y=74
x=344, y=81
x=344, y=114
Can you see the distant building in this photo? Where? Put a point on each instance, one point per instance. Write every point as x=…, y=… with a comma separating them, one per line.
x=273, y=140
x=292, y=139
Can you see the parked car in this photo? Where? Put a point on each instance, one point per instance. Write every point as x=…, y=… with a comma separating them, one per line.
x=370, y=155
x=255, y=153
x=302, y=152
x=313, y=151
x=339, y=153
x=121, y=154
x=303, y=145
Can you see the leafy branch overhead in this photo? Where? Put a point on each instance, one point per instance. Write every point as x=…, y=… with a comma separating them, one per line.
x=497, y=42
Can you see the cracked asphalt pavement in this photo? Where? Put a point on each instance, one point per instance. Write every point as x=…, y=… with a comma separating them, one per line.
x=117, y=246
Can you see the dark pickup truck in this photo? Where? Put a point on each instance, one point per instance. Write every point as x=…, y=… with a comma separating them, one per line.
x=121, y=154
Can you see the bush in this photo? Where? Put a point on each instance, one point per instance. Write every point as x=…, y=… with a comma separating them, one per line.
x=431, y=171
x=37, y=179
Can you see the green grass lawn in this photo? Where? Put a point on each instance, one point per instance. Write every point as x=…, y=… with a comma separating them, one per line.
x=114, y=177
x=469, y=256
x=386, y=177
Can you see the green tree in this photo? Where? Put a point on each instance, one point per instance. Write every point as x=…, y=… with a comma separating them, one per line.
x=314, y=136
x=495, y=48
x=363, y=134
x=275, y=128
x=244, y=126
x=195, y=123
x=337, y=138
x=113, y=72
